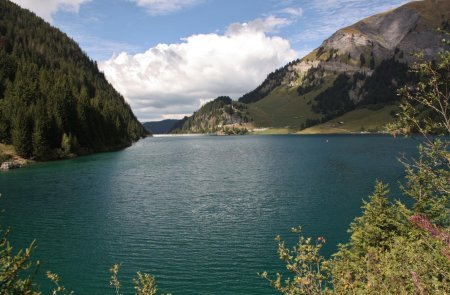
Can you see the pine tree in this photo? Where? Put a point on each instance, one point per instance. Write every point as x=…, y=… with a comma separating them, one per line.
x=21, y=135
x=40, y=136
x=371, y=236
x=362, y=60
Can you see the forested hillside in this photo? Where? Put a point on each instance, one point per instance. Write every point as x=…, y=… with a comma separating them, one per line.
x=54, y=101
x=160, y=127
x=221, y=116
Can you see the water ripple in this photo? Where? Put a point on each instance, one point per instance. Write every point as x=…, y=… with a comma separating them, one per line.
x=199, y=213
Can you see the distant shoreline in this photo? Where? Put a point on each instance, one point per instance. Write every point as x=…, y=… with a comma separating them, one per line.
x=268, y=131
x=21, y=162
x=183, y=135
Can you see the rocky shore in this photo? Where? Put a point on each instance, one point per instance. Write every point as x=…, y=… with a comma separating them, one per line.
x=9, y=158
x=10, y=165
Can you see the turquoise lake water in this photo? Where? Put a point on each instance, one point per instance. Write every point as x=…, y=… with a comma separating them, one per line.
x=199, y=213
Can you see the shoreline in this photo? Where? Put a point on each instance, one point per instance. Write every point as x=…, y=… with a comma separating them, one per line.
x=15, y=161
x=276, y=131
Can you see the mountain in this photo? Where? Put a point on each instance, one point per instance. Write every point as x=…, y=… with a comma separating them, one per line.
x=222, y=116
x=160, y=127
x=54, y=101
x=349, y=83
x=358, y=67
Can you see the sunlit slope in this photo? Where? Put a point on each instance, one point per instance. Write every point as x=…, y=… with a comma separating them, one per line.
x=356, y=121
x=284, y=108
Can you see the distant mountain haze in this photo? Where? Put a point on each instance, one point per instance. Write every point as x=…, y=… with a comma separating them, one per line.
x=160, y=127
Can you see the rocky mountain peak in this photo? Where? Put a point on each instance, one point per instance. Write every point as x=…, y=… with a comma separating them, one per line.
x=360, y=47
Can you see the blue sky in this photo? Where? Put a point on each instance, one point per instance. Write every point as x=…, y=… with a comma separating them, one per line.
x=167, y=57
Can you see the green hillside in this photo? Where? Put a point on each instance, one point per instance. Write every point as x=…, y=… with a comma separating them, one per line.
x=323, y=95
x=54, y=102
x=356, y=121
x=273, y=80
x=284, y=108
x=221, y=115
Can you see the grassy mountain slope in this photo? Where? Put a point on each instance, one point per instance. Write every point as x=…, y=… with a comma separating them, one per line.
x=359, y=66
x=273, y=80
x=356, y=121
x=284, y=108
x=54, y=101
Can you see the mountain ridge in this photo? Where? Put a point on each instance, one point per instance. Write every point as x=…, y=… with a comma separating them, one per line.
x=359, y=66
x=160, y=127
x=221, y=115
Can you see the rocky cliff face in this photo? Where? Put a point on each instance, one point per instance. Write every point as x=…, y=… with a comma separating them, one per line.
x=409, y=28
x=361, y=47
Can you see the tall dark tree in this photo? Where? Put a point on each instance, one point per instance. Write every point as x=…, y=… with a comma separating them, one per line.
x=21, y=135
x=41, y=132
x=362, y=59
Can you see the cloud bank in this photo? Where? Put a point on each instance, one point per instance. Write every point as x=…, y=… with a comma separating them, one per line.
x=45, y=8
x=163, y=7
x=172, y=80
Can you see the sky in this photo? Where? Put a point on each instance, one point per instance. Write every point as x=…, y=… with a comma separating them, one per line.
x=168, y=57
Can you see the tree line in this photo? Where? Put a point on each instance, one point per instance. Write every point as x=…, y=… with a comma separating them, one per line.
x=53, y=99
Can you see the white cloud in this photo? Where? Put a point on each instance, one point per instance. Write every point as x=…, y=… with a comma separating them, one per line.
x=45, y=8
x=294, y=11
x=176, y=78
x=269, y=24
x=162, y=7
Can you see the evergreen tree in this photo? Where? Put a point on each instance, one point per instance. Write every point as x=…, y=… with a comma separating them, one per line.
x=41, y=131
x=371, y=235
x=372, y=61
x=47, y=78
x=21, y=135
x=64, y=105
x=362, y=60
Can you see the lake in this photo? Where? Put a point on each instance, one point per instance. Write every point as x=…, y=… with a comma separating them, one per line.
x=199, y=213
